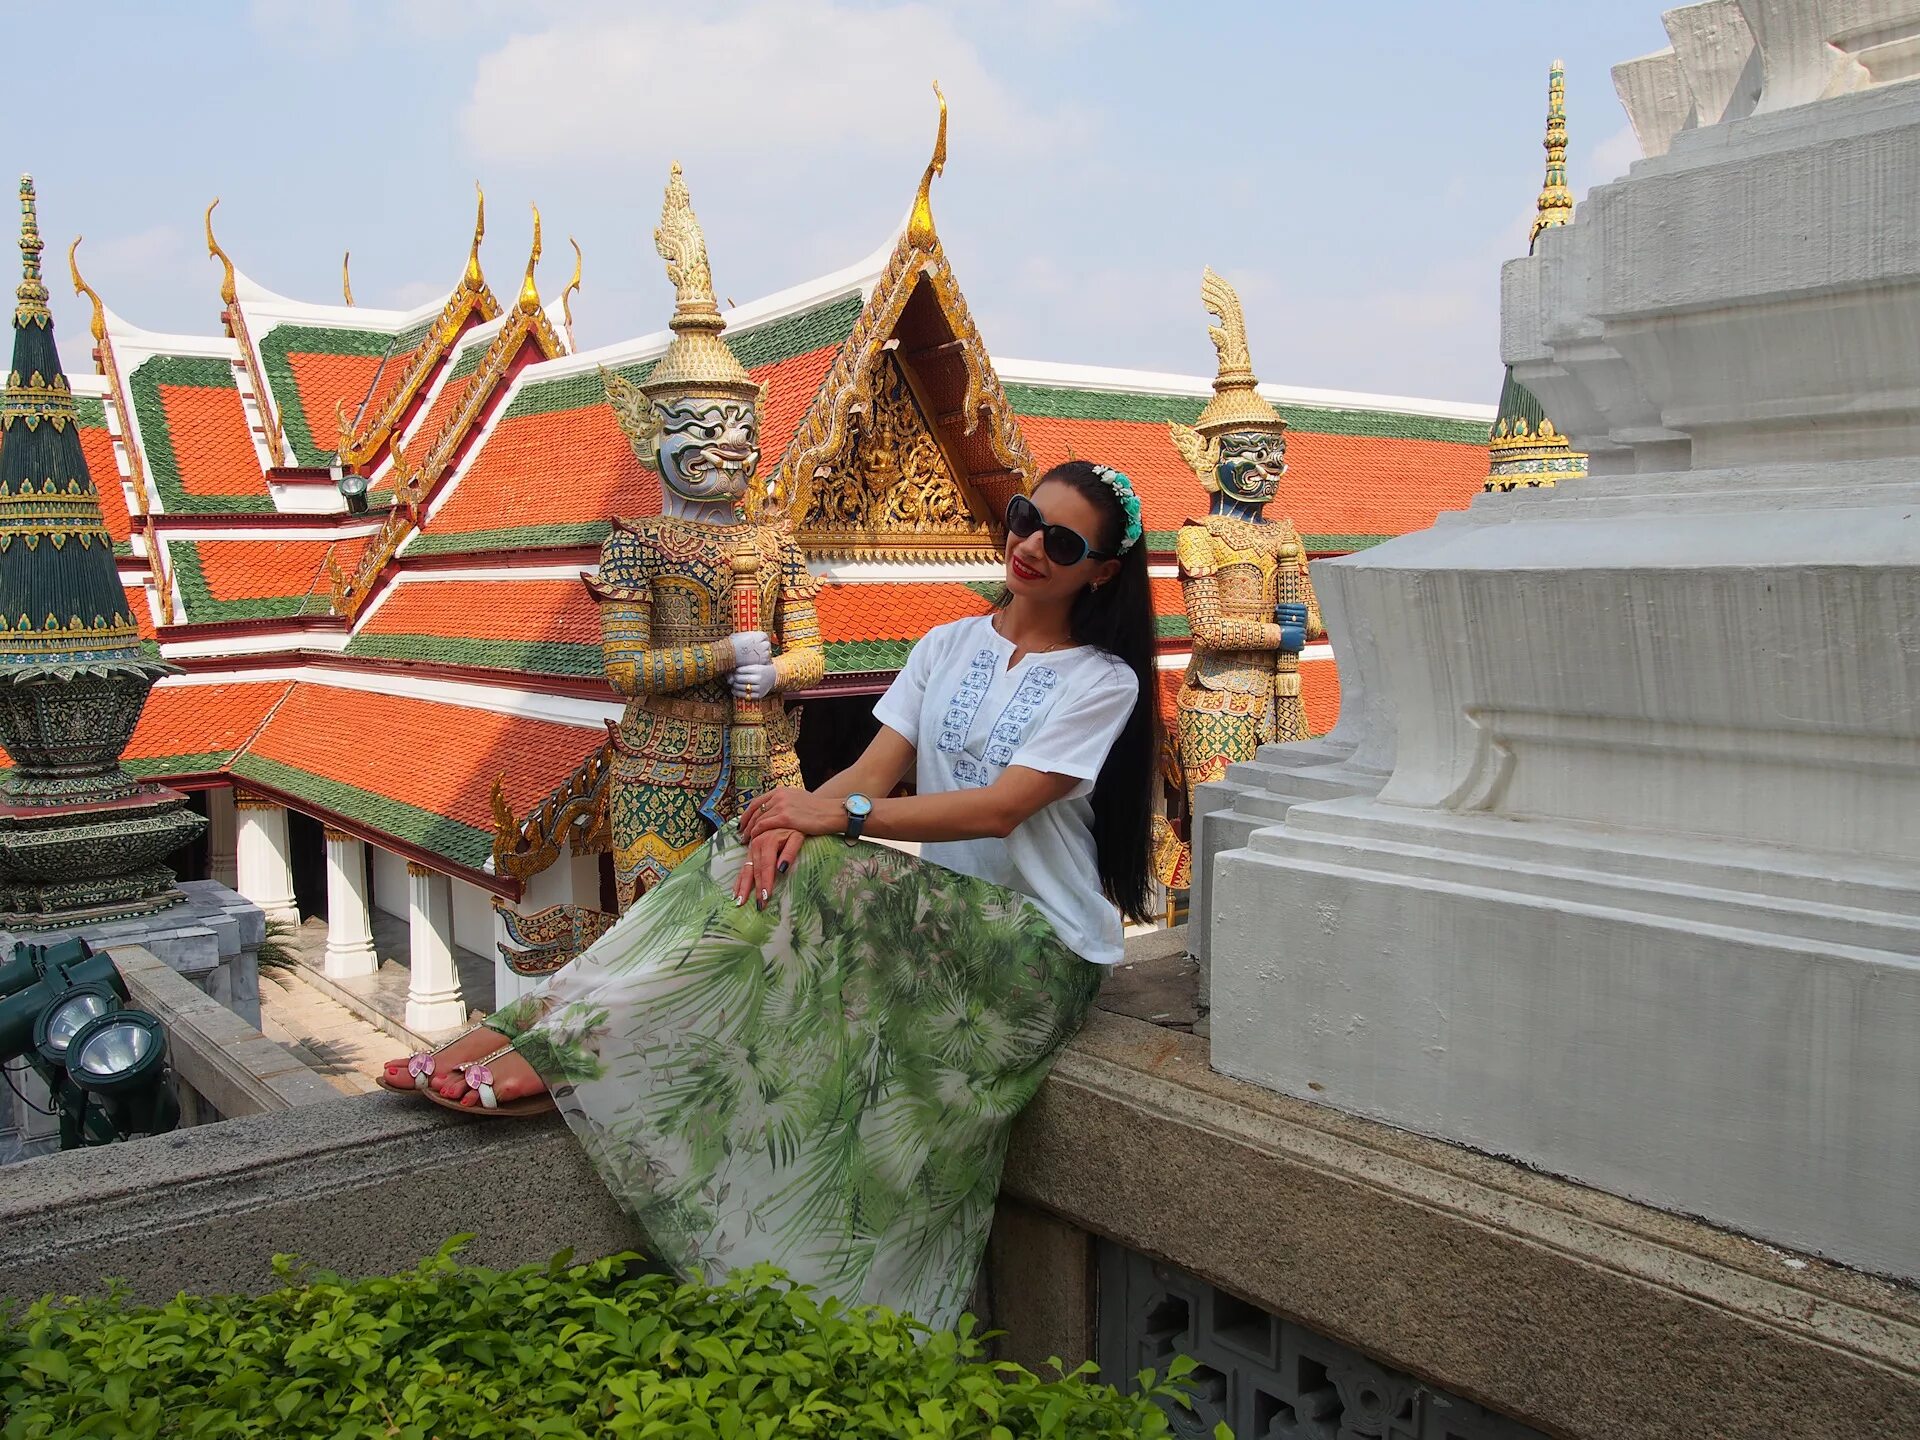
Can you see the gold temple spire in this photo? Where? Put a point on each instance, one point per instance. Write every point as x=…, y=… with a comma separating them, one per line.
x=346, y=275
x=31, y=308
x=530, y=292
x=566, y=295
x=1556, y=200
x=473, y=279
x=920, y=231
x=227, y=291
x=80, y=287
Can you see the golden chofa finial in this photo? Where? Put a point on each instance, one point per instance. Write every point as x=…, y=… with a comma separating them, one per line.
x=920, y=232
x=346, y=276
x=227, y=291
x=80, y=287
x=566, y=295
x=473, y=279
x=1556, y=200
x=32, y=294
x=529, y=292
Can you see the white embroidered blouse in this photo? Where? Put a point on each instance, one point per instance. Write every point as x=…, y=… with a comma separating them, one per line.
x=969, y=715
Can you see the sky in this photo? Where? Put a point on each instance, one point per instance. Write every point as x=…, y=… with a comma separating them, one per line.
x=1360, y=172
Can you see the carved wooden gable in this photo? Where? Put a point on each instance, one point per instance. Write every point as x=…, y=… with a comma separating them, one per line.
x=892, y=489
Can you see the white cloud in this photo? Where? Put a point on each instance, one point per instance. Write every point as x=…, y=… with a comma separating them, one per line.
x=781, y=76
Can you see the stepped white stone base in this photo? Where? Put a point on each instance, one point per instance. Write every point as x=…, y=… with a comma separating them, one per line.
x=1727, y=1030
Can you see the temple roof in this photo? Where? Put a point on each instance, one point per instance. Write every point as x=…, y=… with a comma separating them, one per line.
x=1360, y=468
x=467, y=646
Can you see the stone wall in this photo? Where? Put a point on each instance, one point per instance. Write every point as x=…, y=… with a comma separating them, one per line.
x=1568, y=1310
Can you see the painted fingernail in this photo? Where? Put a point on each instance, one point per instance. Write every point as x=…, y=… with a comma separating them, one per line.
x=739, y=900
x=782, y=869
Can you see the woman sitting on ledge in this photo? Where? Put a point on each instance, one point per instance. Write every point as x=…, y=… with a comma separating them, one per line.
x=825, y=1078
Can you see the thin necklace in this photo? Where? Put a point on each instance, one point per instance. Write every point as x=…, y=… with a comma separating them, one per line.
x=1031, y=649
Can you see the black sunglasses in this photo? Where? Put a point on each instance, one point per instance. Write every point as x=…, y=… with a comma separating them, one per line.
x=1064, y=546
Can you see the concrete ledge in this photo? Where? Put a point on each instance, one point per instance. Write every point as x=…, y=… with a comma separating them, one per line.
x=228, y=1063
x=1569, y=1309
x=365, y=1184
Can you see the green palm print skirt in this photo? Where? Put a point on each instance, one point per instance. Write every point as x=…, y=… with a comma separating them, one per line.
x=827, y=1084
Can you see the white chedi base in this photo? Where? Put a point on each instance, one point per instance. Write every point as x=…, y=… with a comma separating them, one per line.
x=1637, y=898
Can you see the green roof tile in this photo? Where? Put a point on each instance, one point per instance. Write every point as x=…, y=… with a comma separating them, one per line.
x=527, y=657
x=163, y=464
x=451, y=839
x=518, y=537
x=1058, y=402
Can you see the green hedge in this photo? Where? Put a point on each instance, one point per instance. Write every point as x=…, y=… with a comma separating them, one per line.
x=562, y=1350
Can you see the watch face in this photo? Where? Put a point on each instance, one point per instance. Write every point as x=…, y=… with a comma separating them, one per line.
x=859, y=805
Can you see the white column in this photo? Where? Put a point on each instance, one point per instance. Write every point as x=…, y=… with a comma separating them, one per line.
x=260, y=856
x=220, y=838
x=434, y=1002
x=349, y=925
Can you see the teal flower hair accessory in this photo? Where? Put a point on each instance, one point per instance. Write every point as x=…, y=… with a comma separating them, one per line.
x=1129, y=502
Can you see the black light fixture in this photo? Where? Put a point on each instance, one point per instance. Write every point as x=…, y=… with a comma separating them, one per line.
x=118, y=1060
x=353, y=489
x=104, y=1066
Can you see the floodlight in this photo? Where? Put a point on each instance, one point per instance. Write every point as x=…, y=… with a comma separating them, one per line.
x=118, y=1060
x=353, y=489
x=54, y=1030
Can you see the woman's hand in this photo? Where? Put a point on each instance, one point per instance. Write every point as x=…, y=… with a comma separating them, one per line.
x=784, y=808
x=768, y=856
x=776, y=824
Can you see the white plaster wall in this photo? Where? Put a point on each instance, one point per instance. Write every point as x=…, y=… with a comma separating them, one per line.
x=390, y=883
x=472, y=918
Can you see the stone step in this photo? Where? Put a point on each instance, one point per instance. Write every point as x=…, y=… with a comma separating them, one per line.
x=339, y=1046
x=1895, y=937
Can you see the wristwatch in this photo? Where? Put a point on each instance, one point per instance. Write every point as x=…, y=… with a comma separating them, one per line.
x=859, y=807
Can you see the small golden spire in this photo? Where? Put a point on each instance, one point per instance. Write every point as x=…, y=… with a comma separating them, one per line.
x=473, y=279
x=346, y=275
x=1556, y=200
x=227, y=291
x=566, y=305
x=920, y=232
x=529, y=292
x=80, y=287
x=32, y=294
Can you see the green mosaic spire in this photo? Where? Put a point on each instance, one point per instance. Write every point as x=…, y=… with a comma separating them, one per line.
x=60, y=595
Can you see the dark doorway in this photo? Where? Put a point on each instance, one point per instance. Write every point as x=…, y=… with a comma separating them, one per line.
x=193, y=859
x=307, y=858
x=833, y=732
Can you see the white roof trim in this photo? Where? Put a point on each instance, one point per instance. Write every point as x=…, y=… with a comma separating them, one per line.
x=266, y=309
x=1158, y=382
x=529, y=703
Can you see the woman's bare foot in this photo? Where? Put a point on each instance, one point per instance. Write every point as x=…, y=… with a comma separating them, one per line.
x=511, y=1076
x=470, y=1046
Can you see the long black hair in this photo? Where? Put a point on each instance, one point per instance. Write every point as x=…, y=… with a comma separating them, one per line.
x=1118, y=617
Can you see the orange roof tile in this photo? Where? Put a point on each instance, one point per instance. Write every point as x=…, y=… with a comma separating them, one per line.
x=442, y=759
x=323, y=382
x=137, y=607
x=211, y=441
x=553, y=468
x=199, y=720
x=894, y=611
x=258, y=569
x=97, y=446
x=553, y=610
